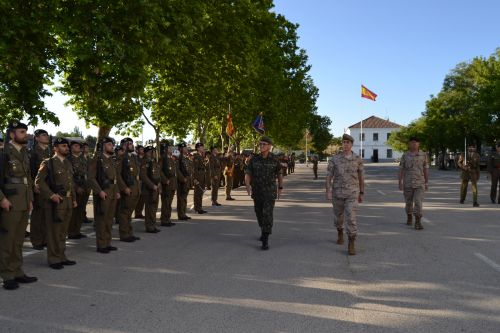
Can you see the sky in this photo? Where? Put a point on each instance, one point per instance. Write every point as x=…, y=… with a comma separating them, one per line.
x=400, y=49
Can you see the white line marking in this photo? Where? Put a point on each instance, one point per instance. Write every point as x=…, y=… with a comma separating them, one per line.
x=383, y=193
x=25, y=254
x=488, y=261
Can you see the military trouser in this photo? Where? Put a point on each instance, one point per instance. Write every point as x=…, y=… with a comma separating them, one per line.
x=167, y=196
x=215, y=189
x=140, y=206
x=126, y=208
x=182, y=195
x=151, y=205
x=77, y=216
x=12, y=227
x=229, y=185
x=222, y=180
x=264, y=211
x=104, y=221
x=413, y=199
x=315, y=170
x=344, y=210
x=198, y=196
x=58, y=231
x=463, y=188
x=495, y=180
x=38, y=230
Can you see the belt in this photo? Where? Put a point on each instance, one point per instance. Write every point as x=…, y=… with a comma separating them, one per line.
x=16, y=180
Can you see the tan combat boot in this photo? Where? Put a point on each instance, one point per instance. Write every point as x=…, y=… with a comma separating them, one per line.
x=409, y=220
x=340, y=239
x=418, y=224
x=351, y=249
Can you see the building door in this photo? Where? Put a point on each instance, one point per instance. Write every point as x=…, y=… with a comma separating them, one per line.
x=375, y=155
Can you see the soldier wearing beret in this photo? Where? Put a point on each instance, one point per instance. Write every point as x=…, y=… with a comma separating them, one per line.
x=260, y=180
x=214, y=165
x=151, y=187
x=469, y=165
x=345, y=188
x=38, y=221
x=128, y=170
x=55, y=179
x=184, y=181
x=168, y=168
x=199, y=181
x=413, y=181
x=80, y=178
x=16, y=198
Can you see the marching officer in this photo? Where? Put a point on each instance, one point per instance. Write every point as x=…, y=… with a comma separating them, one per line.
x=80, y=178
x=16, y=198
x=38, y=221
x=151, y=187
x=55, y=179
x=199, y=181
x=169, y=168
x=103, y=181
x=214, y=164
x=469, y=164
x=494, y=170
x=184, y=182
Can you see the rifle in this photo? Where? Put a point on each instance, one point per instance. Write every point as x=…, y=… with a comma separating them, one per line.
x=34, y=163
x=102, y=179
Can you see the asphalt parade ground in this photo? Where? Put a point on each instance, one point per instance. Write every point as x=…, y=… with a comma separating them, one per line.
x=208, y=274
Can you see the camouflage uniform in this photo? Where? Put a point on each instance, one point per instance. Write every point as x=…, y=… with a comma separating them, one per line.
x=470, y=172
x=150, y=176
x=264, y=172
x=345, y=173
x=413, y=166
x=494, y=170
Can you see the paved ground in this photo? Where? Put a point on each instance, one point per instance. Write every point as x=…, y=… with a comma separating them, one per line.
x=209, y=275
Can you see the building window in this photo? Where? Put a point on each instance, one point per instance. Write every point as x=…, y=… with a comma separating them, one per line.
x=362, y=137
x=388, y=136
x=375, y=136
x=389, y=151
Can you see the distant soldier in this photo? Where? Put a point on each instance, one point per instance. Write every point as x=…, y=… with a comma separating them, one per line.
x=413, y=181
x=469, y=164
x=169, y=168
x=199, y=173
x=140, y=204
x=315, y=162
x=229, y=173
x=345, y=188
x=223, y=163
x=39, y=218
x=128, y=170
x=102, y=180
x=260, y=180
x=184, y=181
x=215, y=170
x=151, y=187
x=16, y=198
x=292, y=163
x=494, y=170
x=80, y=178
x=55, y=179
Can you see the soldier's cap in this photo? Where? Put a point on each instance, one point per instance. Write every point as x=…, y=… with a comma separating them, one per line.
x=181, y=145
x=347, y=137
x=14, y=125
x=125, y=140
x=74, y=142
x=414, y=138
x=60, y=141
x=139, y=147
x=107, y=140
x=198, y=145
x=266, y=139
x=40, y=131
x=148, y=149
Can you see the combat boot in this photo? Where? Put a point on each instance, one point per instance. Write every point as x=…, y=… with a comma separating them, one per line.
x=265, y=241
x=351, y=249
x=409, y=219
x=340, y=238
x=418, y=224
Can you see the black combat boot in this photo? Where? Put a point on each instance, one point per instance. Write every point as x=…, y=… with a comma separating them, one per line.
x=351, y=249
x=265, y=241
x=418, y=223
x=409, y=219
x=340, y=236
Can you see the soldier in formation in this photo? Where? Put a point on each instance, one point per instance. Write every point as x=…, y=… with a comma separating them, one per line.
x=168, y=172
x=80, y=171
x=214, y=165
x=469, y=166
x=183, y=181
x=199, y=181
x=151, y=187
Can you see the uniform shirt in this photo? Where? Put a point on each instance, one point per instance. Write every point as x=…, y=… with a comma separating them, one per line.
x=62, y=174
x=80, y=168
x=264, y=172
x=413, y=166
x=37, y=155
x=108, y=166
x=150, y=173
x=345, y=172
x=184, y=170
x=229, y=169
x=128, y=169
x=16, y=166
x=214, y=166
x=168, y=172
x=471, y=169
x=494, y=162
x=199, y=169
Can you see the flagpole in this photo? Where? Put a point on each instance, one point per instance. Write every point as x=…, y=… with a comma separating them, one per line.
x=361, y=140
x=465, y=151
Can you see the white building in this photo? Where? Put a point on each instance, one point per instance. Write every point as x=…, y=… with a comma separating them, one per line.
x=376, y=131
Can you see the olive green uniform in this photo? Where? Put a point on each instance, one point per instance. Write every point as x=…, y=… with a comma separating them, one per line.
x=60, y=214
x=127, y=170
x=413, y=167
x=315, y=168
x=103, y=177
x=150, y=177
x=183, y=186
x=169, y=186
x=38, y=220
x=215, y=171
x=199, y=181
x=140, y=203
x=470, y=172
x=494, y=170
x=80, y=178
x=18, y=190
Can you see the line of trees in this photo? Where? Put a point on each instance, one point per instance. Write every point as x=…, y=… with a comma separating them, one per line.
x=184, y=61
x=467, y=107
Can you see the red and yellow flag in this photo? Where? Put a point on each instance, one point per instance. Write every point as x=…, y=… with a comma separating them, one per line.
x=230, y=127
x=367, y=93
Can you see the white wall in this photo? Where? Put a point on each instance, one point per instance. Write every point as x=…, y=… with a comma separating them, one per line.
x=369, y=145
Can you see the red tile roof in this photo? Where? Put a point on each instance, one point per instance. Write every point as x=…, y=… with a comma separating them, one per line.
x=375, y=122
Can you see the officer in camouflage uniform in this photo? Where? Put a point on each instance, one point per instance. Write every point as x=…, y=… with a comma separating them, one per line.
x=345, y=187
x=16, y=198
x=80, y=169
x=413, y=181
x=494, y=170
x=260, y=181
x=151, y=187
x=103, y=181
x=199, y=181
x=215, y=171
x=184, y=181
x=168, y=172
x=470, y=172
x=55, y=179
x=38, y=221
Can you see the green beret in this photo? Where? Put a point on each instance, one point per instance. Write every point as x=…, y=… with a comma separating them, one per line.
x=266, y=139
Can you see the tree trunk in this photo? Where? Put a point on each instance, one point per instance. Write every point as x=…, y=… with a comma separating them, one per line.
x=103, y=132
